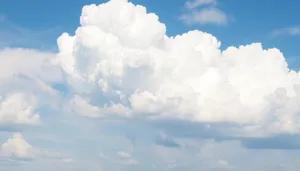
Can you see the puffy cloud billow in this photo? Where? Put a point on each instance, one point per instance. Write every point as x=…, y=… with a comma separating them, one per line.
x=121, y=62
x=26, y=77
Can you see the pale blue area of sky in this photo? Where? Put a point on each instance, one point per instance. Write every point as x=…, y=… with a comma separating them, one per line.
x=252, y=21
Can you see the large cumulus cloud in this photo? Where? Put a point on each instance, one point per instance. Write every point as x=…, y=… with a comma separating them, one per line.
x=128, y=56
x=121, y=56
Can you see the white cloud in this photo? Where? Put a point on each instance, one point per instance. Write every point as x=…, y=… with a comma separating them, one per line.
x=17, y=147
x=26, y=70
x=223, y=163
x=186, y=76
x=292, y=31
x=126, y=158
x=123, y=154
x=25, y=84
x=67, y=160
x=27, y=62
x=82, y=107
x=205, y=16
x=198, y=3
x=19, y=108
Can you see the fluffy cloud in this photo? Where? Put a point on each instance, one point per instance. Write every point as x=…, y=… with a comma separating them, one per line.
x=26, y=77
x=14, y=62
x=19, y=148
x=82, y=107
x=185, y=77
x=16, y=148
x=19, y=108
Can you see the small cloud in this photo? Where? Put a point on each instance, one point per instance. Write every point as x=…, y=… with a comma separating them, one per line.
x=205, y=16
x=223, y=163
x=198, y=3
x=67, y=160
x=126, y=158
x=121, y=158
x=19, y=108
x=18, y=148
x=203, y=12
x=123, y=154
x=291, y=31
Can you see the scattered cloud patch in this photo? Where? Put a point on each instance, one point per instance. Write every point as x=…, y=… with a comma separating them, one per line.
x=198, y=3
x=82, y=107
x=19, y=108
x=205, y=16
x=223, y=163
x=67, y=160
x=203, y=12
x=14, y=62
x=290, y=31
x=123, y=154
x=126, y=158
x=17, y=149
x=25, y=87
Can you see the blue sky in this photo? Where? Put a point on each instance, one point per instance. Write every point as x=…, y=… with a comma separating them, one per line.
x=252, y=21
x=204, y=87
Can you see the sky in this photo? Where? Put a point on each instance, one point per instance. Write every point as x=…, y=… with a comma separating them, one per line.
x=196, y=85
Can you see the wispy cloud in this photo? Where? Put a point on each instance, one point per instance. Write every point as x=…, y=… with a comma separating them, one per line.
x=291, y=31
x=2, y=17
x=12, y=34
x=198, y=3
x=205, y=16
x=203, y=12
